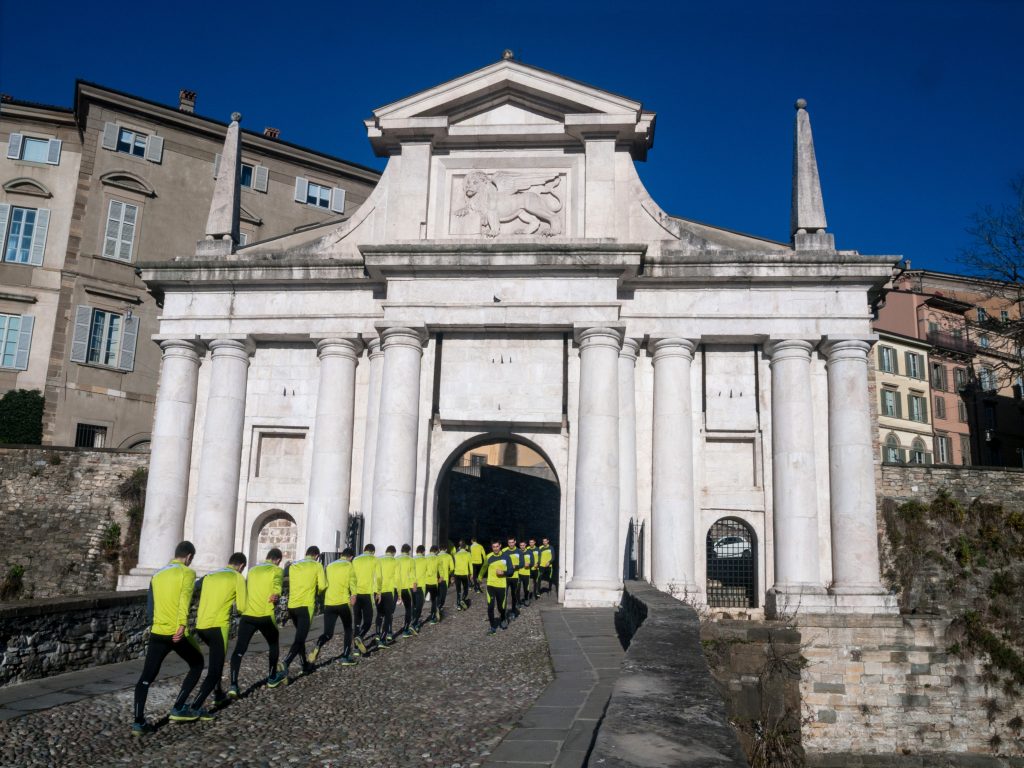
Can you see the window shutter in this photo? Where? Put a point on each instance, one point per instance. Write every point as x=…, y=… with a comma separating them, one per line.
x=39, y=236
x=338, y=200
x=906, y=362
x=24, y=342
x=301, y=188
x=260, y=178
x=924, y=409
x=899, y=404
x=53, y=155
x=155, y=149
x=216, y=165
x=80, y=339
x=109, y=136
x=881, y=360
x=5, y=213
x=14, y=147
x=129, y=337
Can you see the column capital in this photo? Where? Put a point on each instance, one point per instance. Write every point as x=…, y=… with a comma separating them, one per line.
x=240, y=347
x=847, y=347
x=402, y=336
x=788, y=349
x=598, y=336
x=675, y=346
x=373, y=348
x=630, y=349
x=339, y=347
x=185, y=348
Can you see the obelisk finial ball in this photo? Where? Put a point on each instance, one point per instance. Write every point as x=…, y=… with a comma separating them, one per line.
x=236, y=117
x=801, y=103
x=507, y=54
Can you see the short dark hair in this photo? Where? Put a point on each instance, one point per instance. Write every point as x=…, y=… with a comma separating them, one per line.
x=369, y=548
x=420, y=549
x=462, y=543
x=185, y=549
x=238, y=558
x=390, y=550
x=496, y=541
x=348, y=552
x=275, y=554
x=406, y=548
x=433, y=548
x=313, y=551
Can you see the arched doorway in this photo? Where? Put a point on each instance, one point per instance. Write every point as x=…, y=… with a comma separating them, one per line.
x=274, y=528
x=732, y=564
x=497, y=488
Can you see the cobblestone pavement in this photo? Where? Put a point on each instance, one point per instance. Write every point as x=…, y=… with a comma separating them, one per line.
x=444, y=698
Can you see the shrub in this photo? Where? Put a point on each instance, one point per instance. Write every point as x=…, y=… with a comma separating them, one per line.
x=12, y=583
x=21, y=417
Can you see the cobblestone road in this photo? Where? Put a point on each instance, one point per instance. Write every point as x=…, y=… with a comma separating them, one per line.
x=444, y=698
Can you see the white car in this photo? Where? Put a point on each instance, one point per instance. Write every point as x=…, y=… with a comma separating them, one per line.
x=731, y=546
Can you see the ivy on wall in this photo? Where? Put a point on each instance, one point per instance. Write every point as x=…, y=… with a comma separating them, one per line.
x=21, y=417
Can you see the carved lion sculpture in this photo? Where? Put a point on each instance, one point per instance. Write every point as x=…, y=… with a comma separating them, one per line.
x=503, y=197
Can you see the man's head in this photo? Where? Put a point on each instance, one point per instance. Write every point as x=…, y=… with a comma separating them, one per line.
x=420, y=549
x=512, y=542
x=370, y=549
x=433, y=549
x=406, y=549
x=274, y=556
x=496, y=546
x=533, y=542
x=237, y=561
x=185, y=551
x=544, y=542
x=348, y=553
x=390, y=550
x=462, y=544
x=313, y=551
x=522, y=545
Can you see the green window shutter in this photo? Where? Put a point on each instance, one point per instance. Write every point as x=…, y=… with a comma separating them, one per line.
x=24, y=342
x=39, y=236
x=899, y=404
x=155, y=149
x=109, y=140
x=80, y=338
x=129, y=338
x=14, y=147
x=261, y=178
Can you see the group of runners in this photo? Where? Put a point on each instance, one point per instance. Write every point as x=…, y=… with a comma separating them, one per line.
x=362, y=591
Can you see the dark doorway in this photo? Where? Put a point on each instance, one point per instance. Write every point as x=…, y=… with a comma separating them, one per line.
x=498, y=489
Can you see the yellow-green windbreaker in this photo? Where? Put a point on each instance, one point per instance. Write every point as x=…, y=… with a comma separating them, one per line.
x=515, y=559
x=367, y=568
x=265, y=580
x=462, y=561
x=546, y=555
x=525, y=563
x=306, y=578
x=341, y=582
x=406, y=572
x=422, y=567
x=218, y=591
x=476, y=553
x=493, y=564
x=534, y=557
x=445, y=564
x=430, y=575
x=388, y=573
x=170, y=596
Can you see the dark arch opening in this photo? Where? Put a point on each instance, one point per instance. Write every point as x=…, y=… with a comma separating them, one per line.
x=498, y=487
x=732, y=564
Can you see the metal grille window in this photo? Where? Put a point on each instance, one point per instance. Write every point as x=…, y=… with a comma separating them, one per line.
x=90, y=436
x=731, y=565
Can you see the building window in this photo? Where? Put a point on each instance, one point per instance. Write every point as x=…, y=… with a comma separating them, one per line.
x=990, y=415
x=891, y=403
x=915, y=366
x=918, y=454
x=33, y=150
x=933, y=327
x=90, y=436
x=477, y=459
x=961, y=411
x=246, y=175
x=318, y=195
x=15, y=340
x=243, y=238
x=1004, y=316
x=892, y=453
x=104, y=338
x=24, y=233
x=960, y=377
x=983, y=341
x=918, y=408
x=943, y=449
x=887, y=360
x=120, y=233
x=939, y=376
x=965, y=449
x=986, y=378
x=982, y=315
x=940, y=407
x=131, y=142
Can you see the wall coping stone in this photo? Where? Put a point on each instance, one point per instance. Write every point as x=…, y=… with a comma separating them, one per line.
x=52, y=605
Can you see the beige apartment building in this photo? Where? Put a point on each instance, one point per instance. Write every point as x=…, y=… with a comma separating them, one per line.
x=91, y=191
x=905, y=429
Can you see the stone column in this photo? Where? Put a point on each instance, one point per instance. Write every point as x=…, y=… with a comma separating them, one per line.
x=672, y=504
x=330, y=474
x=597, y=576
x=394, y=471
x=376, y=357
x=627, y=444
x=163, y=522
x=855, y=563
x=217, y=489
x=794, y=494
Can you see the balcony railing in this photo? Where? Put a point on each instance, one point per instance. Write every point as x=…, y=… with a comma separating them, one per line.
x=951, y=342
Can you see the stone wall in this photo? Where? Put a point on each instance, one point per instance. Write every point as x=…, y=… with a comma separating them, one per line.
x=56, y=505
x=902, y=482
x=39, y=638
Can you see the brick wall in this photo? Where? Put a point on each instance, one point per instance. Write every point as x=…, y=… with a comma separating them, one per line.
x=55, y=506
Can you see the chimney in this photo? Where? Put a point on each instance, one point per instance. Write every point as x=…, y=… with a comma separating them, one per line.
x=6, y=98
x=186, y=101
x=271, y=133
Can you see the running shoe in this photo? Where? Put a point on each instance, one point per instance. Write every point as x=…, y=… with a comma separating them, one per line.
x=314, y=654
x=347, y=661
x=360, y=645
x=206, y=715
x=142, y=729
x=233, y=692
x=278, y=678
x=184, y=715
x=492, y=631
x=408, y=632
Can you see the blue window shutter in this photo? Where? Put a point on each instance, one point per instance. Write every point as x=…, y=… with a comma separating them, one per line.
x=109, y=136
x=80, y=339
x=216, y=165
x=338, y=200
x=301, y=189
x=39, y=236
x=155, y=149
x=129, y=337
x=24, y=342
x=53, y=155
x=260, y=178
x=14, y=146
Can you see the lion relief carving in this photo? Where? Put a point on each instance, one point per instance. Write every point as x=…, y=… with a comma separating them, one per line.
x=499, y=198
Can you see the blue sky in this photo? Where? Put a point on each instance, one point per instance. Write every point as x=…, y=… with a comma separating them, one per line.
x=917, y=105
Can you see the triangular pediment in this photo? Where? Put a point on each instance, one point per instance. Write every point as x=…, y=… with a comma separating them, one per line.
x=506, y=114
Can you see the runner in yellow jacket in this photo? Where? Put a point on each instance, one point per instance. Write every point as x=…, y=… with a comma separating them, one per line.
x=367, y=568
x=497, y=567
x=306, y=579
x=463, y=567
x=263, y=588
x=476, y=559
x=388, y=597
x=408, y=588
x=341, y=584
x=218, y=592
x=445, y=566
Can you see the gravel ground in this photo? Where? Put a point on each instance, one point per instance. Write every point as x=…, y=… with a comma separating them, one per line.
x=444, y=698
